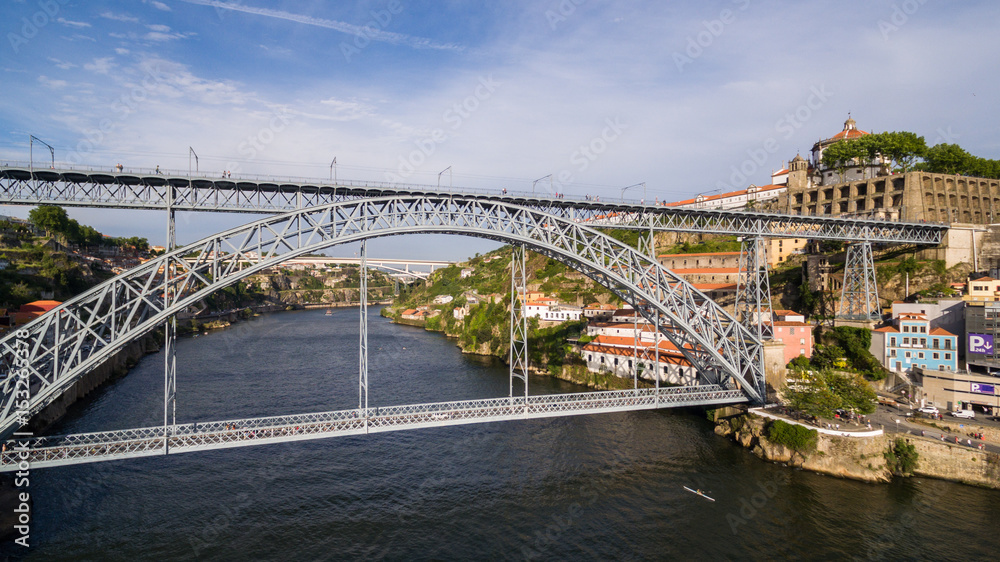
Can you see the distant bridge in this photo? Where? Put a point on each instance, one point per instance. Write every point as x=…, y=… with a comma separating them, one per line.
x=399, y=268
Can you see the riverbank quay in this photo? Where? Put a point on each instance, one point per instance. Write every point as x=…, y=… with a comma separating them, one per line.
x=859, y=453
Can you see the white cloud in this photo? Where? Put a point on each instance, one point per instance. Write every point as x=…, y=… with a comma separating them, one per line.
x=158, y=5
x=160, y=37
x=100, y=65
x=122, y=51
x=340, y=110
x=120, y=17
x=368, y=32
x=50, y=83
x=61, y=64
x=76, y=24
x=160, y=28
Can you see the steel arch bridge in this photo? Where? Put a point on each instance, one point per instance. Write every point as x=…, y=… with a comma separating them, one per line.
x=48, y=355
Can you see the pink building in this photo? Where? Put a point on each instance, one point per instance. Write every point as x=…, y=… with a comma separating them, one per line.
x=796, y=334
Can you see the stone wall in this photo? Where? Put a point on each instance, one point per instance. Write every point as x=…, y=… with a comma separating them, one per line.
x=862, y=458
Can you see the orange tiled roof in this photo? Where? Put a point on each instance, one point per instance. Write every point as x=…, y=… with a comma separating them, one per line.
x=789, y=323
x=887, y=329
x=694, y=270
x=701, y=254
x=664, y=357
x=713, y=286
x=941, y=332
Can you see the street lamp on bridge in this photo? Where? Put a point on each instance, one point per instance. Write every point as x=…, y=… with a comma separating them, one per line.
x=191, y=153
x=628, y=187
x=333, y=170
x=540, y=179
x=31, y=159
x=448, y=169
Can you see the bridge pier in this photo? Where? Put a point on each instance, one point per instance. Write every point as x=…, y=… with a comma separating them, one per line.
x=169, y=330
x=518, y=320
x=363, y=339
x=753, y=290
x=859, y=297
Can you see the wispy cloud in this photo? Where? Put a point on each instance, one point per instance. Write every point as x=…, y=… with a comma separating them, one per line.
x=158, y=5
x=100, y=65
x=51, y=83
x=343, y=27
x=120, y=17
x=61, y=64
x=70, y=23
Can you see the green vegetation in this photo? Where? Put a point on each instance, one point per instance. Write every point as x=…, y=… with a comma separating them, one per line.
x=820, y=393
x=798, y=438
x=716, y=244
x=54, y=220
x=548, y=346
x=903, y=148
x=901, y=458
x=953, y=159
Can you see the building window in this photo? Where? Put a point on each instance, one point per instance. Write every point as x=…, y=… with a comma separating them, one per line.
x=947, y=344
x=937, y=356
x=791, y=331
x=906, y=341
x=923, y=329
x=920, y=355
x=802, y=341
x=892, y=353
x=940, y=367
x=947, y=356
x=892, y=342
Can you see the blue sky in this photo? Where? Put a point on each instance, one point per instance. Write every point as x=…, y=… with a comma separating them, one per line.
x=682, y=95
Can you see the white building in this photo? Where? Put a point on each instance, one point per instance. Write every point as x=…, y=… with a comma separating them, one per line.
x=620, y=357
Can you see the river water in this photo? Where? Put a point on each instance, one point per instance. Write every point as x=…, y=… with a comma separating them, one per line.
x=586, y=487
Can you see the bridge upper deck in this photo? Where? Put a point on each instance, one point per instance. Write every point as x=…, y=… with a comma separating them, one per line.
x=145, y=189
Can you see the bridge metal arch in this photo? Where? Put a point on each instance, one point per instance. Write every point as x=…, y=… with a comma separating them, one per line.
x=48, y=355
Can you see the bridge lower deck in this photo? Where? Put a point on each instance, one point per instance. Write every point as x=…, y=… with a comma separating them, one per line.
x=82, y=448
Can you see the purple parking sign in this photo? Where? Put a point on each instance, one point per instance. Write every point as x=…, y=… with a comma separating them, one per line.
x=980, y=343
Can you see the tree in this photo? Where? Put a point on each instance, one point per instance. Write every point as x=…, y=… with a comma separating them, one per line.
x=51, y=218
x=946, y=159
x=903, y=148
x=854, y=391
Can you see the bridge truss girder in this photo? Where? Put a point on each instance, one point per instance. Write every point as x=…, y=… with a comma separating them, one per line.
x=55, y=350
x=859, y=297
x=137, y=191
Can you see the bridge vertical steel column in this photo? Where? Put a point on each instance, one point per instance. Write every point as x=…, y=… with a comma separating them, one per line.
x=518, y=321
x=647, y=244
x=169, y=330
x=859, y=298
x=753, y=290
x=363, y=347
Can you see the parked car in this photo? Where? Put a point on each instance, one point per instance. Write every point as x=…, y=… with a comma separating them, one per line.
x=929, y=410
x=966, y=414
